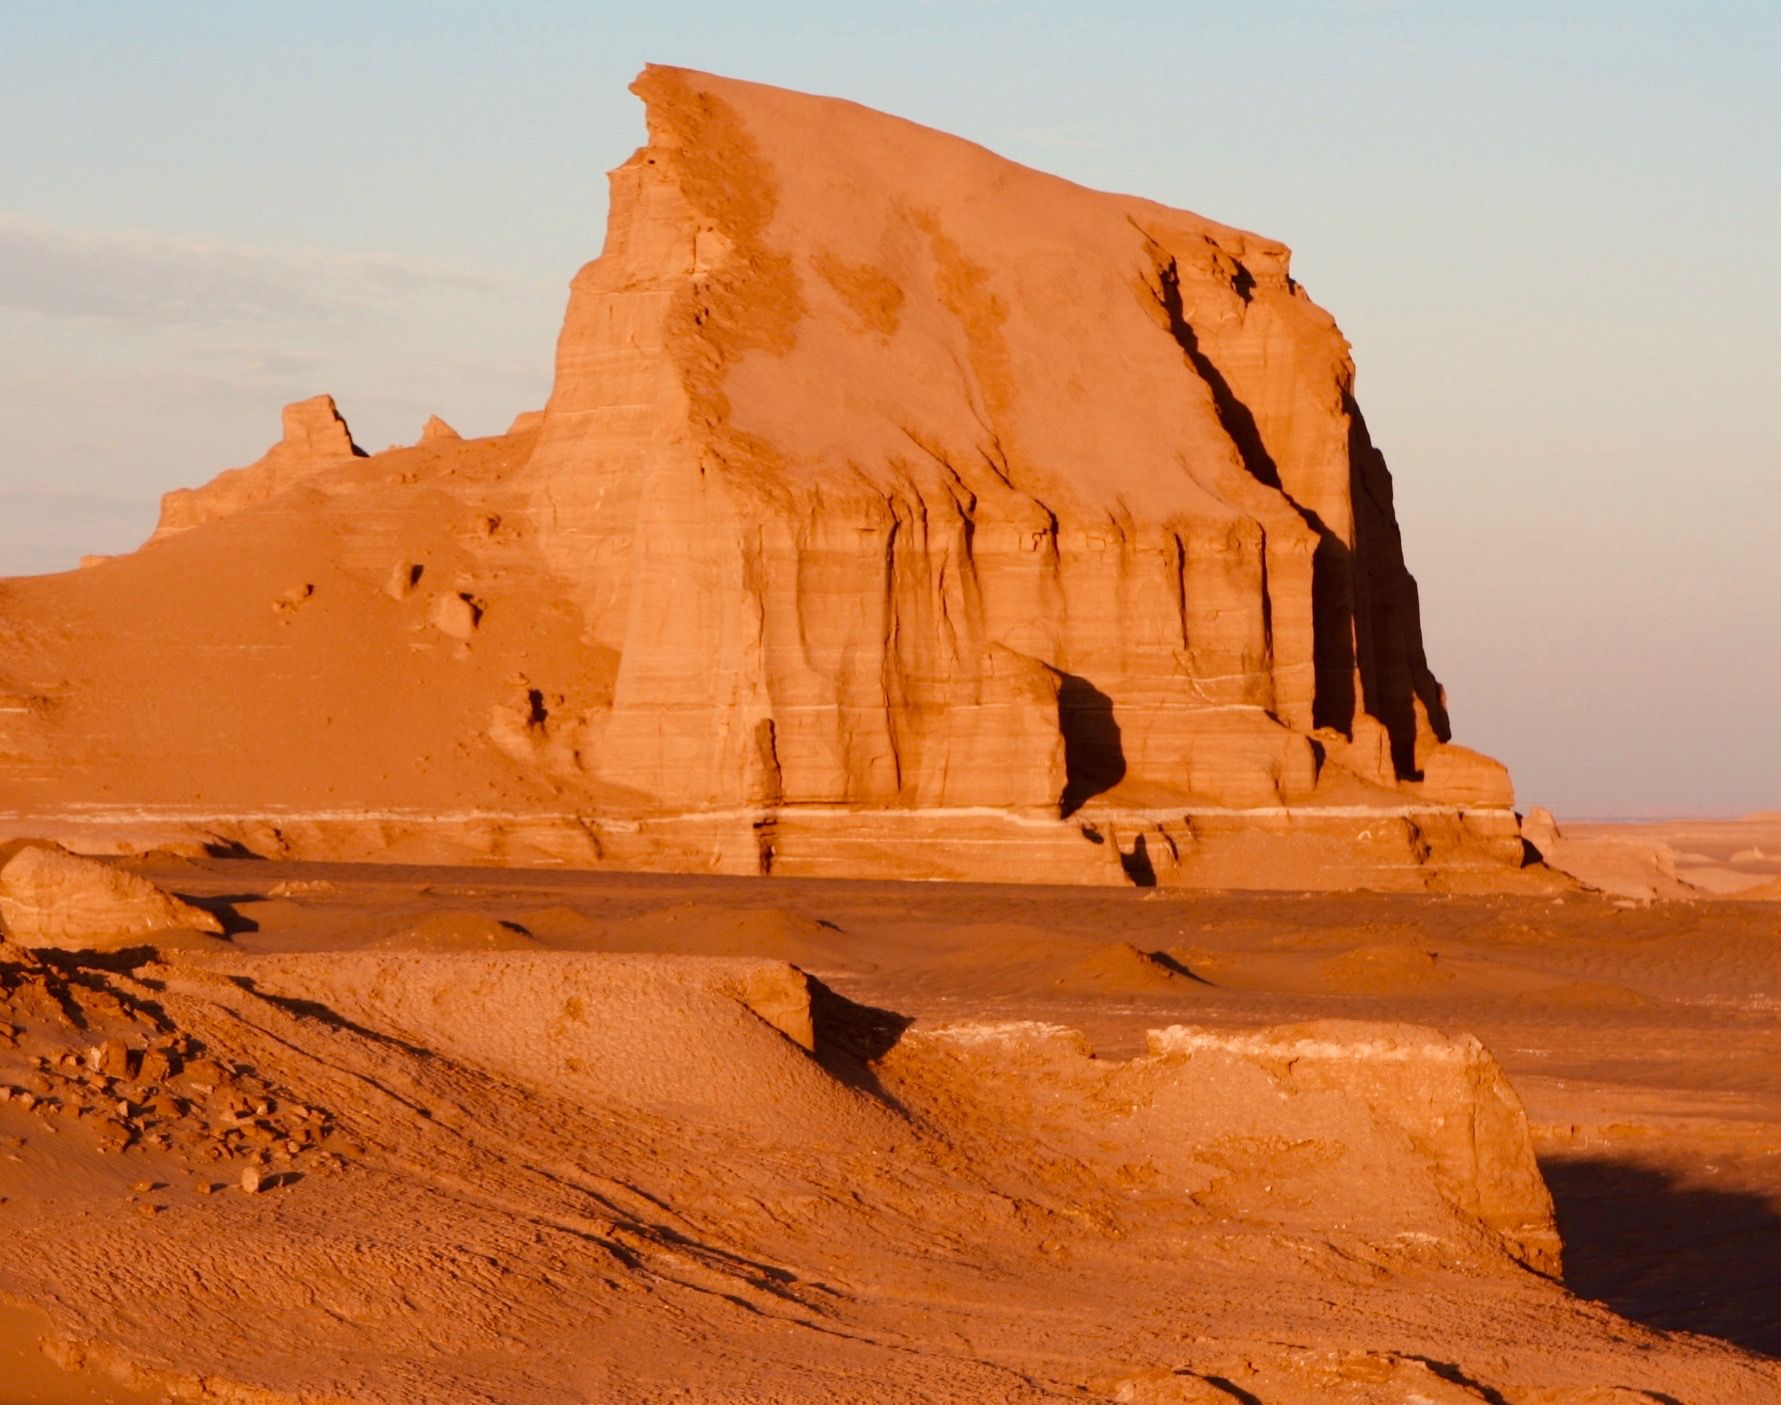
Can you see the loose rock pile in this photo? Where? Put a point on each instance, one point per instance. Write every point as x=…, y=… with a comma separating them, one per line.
x=77, y=1052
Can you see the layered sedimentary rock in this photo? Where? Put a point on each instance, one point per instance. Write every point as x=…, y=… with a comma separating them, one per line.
x=52, y=898
x=896, y=509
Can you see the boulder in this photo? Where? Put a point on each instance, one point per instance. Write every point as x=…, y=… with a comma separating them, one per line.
x=1541, y=830
x=456, y=615
x=52, y=898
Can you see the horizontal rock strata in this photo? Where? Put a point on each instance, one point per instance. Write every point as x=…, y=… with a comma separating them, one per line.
x=897, y=509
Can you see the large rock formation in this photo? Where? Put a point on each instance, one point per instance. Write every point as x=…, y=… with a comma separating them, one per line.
x=897, y=509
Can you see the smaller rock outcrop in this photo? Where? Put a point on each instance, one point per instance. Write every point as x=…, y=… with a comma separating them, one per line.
x=1467, y=778
x=52, y=898
x=315, y=438
x=1400, y=1132
x=1446, y=1094
x=1541, y=830
x=435, y=429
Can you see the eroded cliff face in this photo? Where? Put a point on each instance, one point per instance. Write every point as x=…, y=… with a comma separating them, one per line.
x=895, y=474
x=901, y=509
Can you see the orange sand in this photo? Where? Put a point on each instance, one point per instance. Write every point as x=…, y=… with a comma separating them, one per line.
x=505, y=1185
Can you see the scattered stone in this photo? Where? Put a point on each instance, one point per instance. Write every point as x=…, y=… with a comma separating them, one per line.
x=310, y=887
x=403, y=579
x=156, y=1067
x=289, y=600
x=456, y=615
x=110, y=1058
x=252, y=1179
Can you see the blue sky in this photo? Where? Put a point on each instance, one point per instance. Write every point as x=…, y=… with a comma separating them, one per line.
x=1549, y=230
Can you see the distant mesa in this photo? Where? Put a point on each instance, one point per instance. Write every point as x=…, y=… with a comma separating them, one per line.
x=896, y=510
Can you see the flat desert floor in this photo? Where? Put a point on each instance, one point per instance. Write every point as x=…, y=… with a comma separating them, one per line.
x=504, y=1141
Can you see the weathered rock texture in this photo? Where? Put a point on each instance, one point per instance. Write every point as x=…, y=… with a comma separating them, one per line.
x=897, y=509
x=315, y=439
x=52, y=898
x=555, y=1176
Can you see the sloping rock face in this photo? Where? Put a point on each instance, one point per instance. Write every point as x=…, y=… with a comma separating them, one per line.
x=315, y=439
x=899, y=443
x=897, y=509
x=51, y=898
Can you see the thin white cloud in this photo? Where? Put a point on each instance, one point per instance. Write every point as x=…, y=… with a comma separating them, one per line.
x=1081, y=136
x=163, y=281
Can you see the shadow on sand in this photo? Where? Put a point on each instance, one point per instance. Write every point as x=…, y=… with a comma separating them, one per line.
x=1675, y=1256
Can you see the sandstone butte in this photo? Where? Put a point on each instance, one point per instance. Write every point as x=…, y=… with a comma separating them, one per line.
x=897, y=510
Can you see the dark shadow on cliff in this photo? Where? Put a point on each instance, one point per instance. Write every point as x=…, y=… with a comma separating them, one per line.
x=1367, y=614
x=1388, y=609
x=1678, y=1257
x=1233, y=414
x=1094, y=756
x=1137, y=865
x=1332, y=569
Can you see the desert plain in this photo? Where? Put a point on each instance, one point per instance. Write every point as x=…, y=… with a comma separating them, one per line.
x=898, y=840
